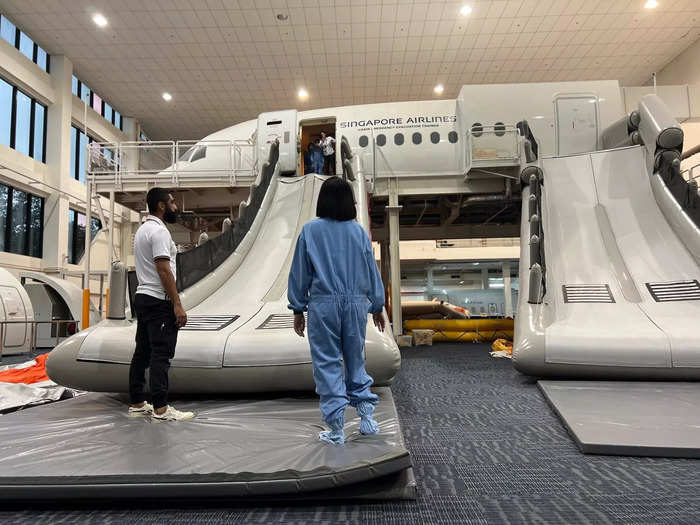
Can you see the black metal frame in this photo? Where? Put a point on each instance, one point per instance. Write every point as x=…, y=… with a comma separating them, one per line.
x=35, y=50
x=32, y=122
x=120, y=125
x=26, y=249
x=74, y=238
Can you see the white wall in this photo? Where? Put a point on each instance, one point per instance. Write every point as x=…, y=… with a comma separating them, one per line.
x=53, y=180
x=684, y=69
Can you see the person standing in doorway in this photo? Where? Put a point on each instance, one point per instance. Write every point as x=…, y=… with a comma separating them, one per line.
x=335, y=278
x=328, y=145
x=159, y=312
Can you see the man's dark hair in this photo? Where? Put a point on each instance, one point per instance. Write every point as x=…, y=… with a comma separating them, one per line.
x=336, y=201
x=156, y=195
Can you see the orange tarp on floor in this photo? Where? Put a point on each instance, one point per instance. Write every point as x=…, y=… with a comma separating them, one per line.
x=31, y=374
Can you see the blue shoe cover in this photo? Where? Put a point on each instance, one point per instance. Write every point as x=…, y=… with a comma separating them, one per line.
x=368, y=426
x=336, y=435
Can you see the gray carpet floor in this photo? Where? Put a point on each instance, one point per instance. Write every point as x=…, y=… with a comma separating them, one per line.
x=486, y=448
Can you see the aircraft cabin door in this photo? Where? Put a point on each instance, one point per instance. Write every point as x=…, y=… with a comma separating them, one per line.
x=15, y=334
x=576, y=123
x=282, y=126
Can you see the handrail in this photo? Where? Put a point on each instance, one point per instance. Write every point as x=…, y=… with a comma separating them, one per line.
x=197, y=263
x=170, y=160
x=690, y=152
x=532, y=177
x=33, y=333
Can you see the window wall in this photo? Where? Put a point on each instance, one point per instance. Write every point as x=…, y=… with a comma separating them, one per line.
x=21, y=222
x=92, y=99
x=76, y=234
x=78, y=144
x=20, y=40
x=22, y=122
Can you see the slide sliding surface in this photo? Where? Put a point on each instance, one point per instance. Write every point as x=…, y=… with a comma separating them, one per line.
x=620, y=297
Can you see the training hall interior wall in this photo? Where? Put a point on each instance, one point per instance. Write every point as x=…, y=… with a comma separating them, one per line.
x=52, y=179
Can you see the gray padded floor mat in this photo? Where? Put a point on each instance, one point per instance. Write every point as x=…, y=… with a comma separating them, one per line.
x=629, y=418
x=89, y=447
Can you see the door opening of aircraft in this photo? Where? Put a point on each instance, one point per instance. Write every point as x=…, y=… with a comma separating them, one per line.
x=309, y=131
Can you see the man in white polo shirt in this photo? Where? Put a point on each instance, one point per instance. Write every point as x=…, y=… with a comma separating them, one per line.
x=158, y=310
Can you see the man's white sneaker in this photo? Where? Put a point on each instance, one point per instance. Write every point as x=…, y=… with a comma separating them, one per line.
x=171, y=414
x=145, y=410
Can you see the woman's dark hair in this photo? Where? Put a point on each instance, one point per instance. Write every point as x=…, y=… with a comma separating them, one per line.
x=336, y=201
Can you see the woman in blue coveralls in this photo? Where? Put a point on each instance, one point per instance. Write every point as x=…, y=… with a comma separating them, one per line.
x=335, y=278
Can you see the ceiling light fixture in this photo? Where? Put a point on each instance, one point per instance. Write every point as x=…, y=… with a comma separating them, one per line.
x=282, y=16
x=167, y=97
x=99, y=19
x=439, y=89
x=303, y=93
x=651, y=4
x=467, y=9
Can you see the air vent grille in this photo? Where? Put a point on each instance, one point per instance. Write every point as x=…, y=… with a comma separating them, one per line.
x=208, y=323
x=675, y=291
x=587, y=293
x=278, y=322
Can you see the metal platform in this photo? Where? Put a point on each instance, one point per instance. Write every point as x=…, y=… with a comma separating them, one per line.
x=629, y=418
x=242, y=448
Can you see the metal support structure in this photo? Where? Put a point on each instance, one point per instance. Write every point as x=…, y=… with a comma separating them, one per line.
x=485, y=278
x=507, y=290
x=88, y=241
x=394, y=256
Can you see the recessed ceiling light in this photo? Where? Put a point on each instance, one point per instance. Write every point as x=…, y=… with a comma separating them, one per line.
x=303, y=93
x=167, y=97
x=99, y=19
x=282, y=16
x=439, y=89
x=538, y=116
x=651, y=4
x=466, y=10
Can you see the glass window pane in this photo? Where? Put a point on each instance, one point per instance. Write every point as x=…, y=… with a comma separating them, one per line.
x=36, y=230
x=41, y=59
x=18, y=222
x=82, y=146
x=5, y=112
x=73, y=145
x=96, y=227
x=97, y=103
x=85, y=93
x=71, y=227
x=79, y=247
x=364, y=141
x=26, y=46
x=74, y=85
x=7, y=31
x=3, y=215
x=417, y=138
x=381, y=139
x=24, y=111
x=435, y=137
x=117, y=119
x=108, y=112
x=398, y=139
x=38, y=132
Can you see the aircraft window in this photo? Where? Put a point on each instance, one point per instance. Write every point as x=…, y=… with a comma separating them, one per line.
x=452, y=137
x=434, y=137
x=364, y=141
x=398, y=139
x=477, y=129
x=199, y=154
x=417, y=138
x=499, y=129
x=274, y=122
x=187, y=153
x=381, y=139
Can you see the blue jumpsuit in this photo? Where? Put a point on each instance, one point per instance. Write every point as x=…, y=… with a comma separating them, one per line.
x=335, y=277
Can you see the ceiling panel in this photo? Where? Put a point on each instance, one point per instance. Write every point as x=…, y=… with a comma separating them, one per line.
x=225, y=61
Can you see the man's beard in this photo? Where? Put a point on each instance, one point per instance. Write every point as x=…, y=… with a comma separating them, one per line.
x=170, y=217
